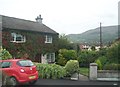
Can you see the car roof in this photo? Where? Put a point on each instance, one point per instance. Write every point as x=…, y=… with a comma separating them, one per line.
x=12, y=60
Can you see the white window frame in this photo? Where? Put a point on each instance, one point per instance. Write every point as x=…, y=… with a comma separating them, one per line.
x=48, y=39
x=50, y=57
x=15, y=36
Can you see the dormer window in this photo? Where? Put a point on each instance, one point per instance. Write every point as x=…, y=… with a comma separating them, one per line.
x=48, y=39
x=18, y=38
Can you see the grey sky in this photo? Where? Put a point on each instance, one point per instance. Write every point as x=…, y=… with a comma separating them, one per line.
x=64, y=16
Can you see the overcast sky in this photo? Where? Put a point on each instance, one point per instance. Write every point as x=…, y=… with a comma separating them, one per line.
x=64, y=16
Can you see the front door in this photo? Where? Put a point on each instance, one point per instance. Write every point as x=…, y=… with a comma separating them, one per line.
x=38, y=58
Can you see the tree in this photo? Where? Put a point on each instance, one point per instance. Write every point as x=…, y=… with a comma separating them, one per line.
x=93, y=48
x=113, y=53
x=85, y=57
x=64, y=43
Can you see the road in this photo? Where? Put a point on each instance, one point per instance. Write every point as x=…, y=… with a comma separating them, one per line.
x=78, y=83
x=75, y=83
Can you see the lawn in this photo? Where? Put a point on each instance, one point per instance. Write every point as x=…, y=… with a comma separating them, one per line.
x=84, y=71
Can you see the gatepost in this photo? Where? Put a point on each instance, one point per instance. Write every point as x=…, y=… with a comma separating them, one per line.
x=93, y=71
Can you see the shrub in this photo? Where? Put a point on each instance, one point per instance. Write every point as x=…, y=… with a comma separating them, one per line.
x=53, y=71
x=99, y=64
x=113, y=53
x=112, y=66
x=71, y=67
x=68, y=54
x=101, y=61
x=4, y=54
x=85, y=57
x=61, y=61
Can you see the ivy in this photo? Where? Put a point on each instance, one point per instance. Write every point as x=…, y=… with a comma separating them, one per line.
x=35, y=43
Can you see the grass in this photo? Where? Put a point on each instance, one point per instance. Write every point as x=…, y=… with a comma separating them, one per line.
x=84, y=71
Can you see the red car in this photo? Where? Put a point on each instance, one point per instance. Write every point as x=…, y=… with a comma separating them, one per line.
x=19, y=71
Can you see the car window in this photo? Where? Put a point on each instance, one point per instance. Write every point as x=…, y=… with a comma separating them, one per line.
x=5, y=64
x=25, y=63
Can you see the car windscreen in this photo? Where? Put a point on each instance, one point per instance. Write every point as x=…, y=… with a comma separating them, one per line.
x=25, y=63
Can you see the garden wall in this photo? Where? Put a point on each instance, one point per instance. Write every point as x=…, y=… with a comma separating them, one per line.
x=108, y=74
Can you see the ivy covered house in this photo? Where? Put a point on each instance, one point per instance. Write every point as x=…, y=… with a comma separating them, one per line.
x=29, y=39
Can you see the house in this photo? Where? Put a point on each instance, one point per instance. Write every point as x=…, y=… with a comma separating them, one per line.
x=89, y=48
x=28, y=39
x=84, y=47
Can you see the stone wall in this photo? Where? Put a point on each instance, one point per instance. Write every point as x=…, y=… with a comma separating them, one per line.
x=108, y=74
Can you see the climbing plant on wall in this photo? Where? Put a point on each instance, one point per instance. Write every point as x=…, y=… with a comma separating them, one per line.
x=35, y=43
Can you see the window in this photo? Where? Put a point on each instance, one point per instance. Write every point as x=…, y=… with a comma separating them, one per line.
x=25, y=63
x=18, y=38
x=5, y=64
x=48, y=39
x=50, y=57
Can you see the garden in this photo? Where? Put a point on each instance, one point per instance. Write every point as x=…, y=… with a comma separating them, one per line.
x=71, y=59
x=55, y=71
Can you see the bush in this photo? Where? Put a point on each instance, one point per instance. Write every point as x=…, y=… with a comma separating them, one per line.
x=61, y=61
x=112, y=66
x=52, y=71
x=4, y=54
x=71, y=67
x=86, y=57
x=66, y=55
x=101, y=61
x=99, y=64
x=113, y=53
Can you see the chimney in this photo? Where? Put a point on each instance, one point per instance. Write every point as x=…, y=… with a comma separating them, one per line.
x=39, y=19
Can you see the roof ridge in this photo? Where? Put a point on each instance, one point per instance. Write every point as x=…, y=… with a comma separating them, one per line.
x=23, y=24
x=19, y=19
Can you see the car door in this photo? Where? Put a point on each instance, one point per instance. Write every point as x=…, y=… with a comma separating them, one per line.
x=6, y=68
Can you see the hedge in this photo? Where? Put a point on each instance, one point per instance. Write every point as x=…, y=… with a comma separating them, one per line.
x=52, y=71
x=71, y=67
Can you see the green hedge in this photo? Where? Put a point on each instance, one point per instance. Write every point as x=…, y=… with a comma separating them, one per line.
x=112, y=66
x=71, y=67
x=52, y=71
x=66, y=55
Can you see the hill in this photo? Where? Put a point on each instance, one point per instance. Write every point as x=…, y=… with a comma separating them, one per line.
x=109, y=33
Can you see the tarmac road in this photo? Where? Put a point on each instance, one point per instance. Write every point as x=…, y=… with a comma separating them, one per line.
x=72, y=83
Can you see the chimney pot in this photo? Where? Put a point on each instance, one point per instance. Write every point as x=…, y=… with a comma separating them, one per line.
x=39, y=19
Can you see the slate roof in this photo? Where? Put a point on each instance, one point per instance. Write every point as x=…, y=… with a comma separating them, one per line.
x=21, y=24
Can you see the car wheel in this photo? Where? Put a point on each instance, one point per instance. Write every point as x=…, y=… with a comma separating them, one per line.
x=32, y=82
x=13, y=81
